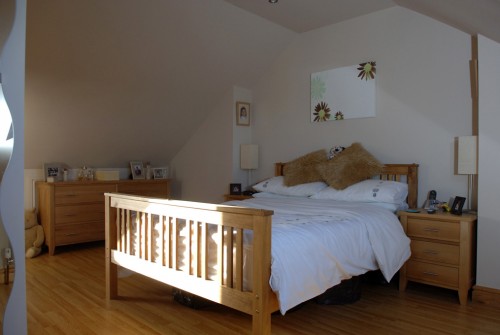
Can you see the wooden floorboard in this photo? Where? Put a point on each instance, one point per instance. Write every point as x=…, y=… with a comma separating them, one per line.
x=65, y=295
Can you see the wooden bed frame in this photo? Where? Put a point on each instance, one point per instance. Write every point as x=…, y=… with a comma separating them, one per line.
x=159, y=260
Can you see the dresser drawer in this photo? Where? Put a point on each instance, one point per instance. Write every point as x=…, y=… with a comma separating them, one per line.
x=76, y=194
x=436, y=252
x=431, y=273
x=435, y=229
x=79, y=232
x=79, y=213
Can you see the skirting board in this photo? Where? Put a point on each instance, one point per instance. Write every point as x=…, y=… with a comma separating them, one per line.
x=486, y=295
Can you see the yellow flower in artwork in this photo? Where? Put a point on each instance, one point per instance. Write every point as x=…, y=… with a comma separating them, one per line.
x=367, y=70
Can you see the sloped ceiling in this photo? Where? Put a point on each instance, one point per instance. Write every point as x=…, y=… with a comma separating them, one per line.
x=470, y=16
x=301, y=16
x=120, y=80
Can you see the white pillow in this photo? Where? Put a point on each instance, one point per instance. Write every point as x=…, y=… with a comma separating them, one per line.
x=371, y=190
x=276, y=185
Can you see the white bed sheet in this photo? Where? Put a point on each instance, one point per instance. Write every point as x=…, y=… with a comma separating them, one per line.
x=318, y=243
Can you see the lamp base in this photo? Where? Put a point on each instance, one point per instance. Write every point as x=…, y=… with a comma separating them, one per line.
x=471, y=191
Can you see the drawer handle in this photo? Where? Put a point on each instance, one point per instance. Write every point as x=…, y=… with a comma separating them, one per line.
x=70, y=215
x=430, y=273
x=431, y=252
x=71, y=234
x=432, y=230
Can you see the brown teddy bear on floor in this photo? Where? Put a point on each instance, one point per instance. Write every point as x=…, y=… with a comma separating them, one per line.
x=33, y=234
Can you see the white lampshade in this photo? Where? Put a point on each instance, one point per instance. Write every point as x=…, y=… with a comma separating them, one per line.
x=249, y=156
x=466, y=158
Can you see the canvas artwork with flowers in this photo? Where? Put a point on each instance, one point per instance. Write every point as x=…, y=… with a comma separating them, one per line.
x=343, y=93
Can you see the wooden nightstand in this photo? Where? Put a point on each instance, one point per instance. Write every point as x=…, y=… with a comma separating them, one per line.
x=229, y=197
x=443, y=251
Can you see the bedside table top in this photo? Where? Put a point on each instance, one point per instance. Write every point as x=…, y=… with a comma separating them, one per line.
x=439, y=215
x=236, y=197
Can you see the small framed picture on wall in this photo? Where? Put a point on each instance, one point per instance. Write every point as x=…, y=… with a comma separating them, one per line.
x=242, y=113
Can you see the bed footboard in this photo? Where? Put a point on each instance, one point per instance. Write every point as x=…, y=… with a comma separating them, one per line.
x=197, y=247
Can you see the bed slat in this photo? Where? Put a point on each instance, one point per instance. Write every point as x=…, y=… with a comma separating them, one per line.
x=204, y=251
x=239, y=260
x=175, y=242
x=220, y=253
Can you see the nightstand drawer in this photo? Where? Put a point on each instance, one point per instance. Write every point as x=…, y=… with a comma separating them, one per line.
x=435, y=229
x=436, y=252
x=432, y=273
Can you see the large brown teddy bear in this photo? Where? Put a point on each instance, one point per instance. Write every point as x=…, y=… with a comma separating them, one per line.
x=33, y=234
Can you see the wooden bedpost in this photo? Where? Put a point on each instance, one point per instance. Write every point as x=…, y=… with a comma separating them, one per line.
x=413, y=185
x=278, y=169
x=262, y=307
x=110, y=235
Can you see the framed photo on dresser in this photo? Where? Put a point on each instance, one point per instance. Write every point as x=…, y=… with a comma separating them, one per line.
x=457, y=206
x=160, y=173
x=235, y=189
x=137, y=169
x=53, y=171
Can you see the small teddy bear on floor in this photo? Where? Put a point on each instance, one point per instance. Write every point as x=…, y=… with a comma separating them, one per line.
x=33, y=234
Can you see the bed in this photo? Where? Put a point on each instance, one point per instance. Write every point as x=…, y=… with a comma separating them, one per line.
x=220, y=252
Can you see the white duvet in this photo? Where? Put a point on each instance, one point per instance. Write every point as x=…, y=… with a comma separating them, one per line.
x=318, y=243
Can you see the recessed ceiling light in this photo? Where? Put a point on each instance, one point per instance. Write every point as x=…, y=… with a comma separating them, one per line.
x=273, y=1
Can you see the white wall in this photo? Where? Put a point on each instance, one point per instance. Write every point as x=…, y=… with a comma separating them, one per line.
x=203, y=168
x=423, y=95
x=488, y=249
x=241, y=135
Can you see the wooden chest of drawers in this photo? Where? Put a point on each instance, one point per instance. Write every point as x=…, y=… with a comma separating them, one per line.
x=443, y=251
x=73, y=212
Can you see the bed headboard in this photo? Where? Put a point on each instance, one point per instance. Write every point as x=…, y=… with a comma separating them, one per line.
x=405, y=173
